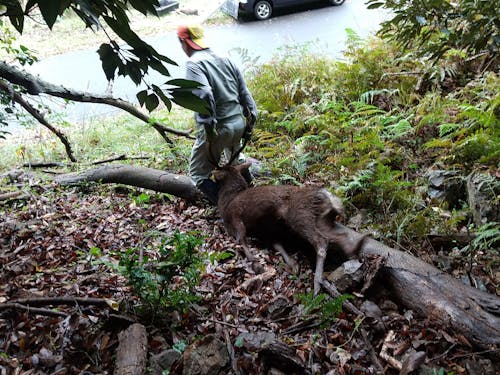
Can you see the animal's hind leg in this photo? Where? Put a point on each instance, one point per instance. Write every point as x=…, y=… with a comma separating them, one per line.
x=288, y=260
x=320, y=264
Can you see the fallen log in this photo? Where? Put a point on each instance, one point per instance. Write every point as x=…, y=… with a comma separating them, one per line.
x=148, y=178
x=13, y=195
x=433, y=293
x=131, y=355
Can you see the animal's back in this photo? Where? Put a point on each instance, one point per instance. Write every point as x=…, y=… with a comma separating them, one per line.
x=313, y=210
x=257, y=203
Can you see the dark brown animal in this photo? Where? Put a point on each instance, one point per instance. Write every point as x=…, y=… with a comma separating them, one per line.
x=307, y=212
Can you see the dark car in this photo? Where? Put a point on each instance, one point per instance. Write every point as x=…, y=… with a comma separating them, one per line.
x=263, y=9
x=167, y=6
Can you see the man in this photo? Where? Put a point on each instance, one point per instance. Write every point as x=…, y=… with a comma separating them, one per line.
x=230, y=102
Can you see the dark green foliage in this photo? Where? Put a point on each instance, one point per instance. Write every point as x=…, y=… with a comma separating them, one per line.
x=167, y=282
x=324, y=306
x=369, y=136
x=432, y=27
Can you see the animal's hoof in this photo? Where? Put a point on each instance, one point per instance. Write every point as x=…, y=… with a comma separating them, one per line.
x=294, y=267
x=257, y=267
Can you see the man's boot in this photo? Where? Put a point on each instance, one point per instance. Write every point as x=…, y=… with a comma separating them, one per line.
x=210, y=189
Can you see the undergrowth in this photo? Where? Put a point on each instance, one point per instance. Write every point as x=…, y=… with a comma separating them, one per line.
x=369, y=127
x=167, y=281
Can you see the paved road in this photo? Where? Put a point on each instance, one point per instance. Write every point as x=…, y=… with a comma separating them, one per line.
x=322, y=27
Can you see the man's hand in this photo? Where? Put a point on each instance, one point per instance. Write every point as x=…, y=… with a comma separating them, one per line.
x=250, y=119
x=250, y=123
x=247, y=134
x=210, y=132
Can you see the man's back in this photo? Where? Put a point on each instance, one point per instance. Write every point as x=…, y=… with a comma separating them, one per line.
x=220, y=76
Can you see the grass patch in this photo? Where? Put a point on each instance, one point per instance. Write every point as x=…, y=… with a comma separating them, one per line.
x=102, y=138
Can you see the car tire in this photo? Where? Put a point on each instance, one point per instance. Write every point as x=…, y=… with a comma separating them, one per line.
x=336, y=2
x=263, y=10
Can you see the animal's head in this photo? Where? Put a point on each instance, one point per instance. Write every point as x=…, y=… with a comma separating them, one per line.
x=231, y=173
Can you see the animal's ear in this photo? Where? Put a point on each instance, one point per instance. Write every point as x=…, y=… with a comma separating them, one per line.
x=243, y=167
x=218, y=174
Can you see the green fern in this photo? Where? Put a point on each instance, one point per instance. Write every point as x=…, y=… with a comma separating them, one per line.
x=487, y=237
x=448, y=129
x=399, y=129
x=368, y=96
x=359, y=181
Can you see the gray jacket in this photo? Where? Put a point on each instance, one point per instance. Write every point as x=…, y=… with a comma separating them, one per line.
x=223, y=87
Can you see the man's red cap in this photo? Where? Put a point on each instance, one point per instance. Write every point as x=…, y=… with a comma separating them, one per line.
x=193, y=36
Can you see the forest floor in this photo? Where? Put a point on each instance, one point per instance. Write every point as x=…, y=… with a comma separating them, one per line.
x=67, y=242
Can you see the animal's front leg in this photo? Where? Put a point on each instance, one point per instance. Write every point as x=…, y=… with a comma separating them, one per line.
x=320, y=264
x=240, y=233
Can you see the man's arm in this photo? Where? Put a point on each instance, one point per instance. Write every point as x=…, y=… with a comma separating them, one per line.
x=194, y=73
x=245, y=97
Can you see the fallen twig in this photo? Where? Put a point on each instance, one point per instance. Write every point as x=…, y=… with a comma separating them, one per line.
x=32, y=310
x=384, y=352
x=221, y=323
x=302, y=326
x=57, y=301
x=120, y=157
x=13, y=195
x=353, y=309
x=230, y=350
x=44, y=164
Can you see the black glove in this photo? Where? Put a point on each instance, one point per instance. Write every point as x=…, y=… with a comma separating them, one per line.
x=210, y=131
x=250, y=118
x=247, y=133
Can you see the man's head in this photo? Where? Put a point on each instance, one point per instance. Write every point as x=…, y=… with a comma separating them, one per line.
x=191, y=38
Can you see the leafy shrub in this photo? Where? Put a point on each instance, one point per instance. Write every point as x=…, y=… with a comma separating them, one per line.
x=369, y=65
x=380, y=188
x=433, y=27
x=327, y=308
x=290, y=79
x=168, y=282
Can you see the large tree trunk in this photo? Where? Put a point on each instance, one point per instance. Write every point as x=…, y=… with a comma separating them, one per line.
x=148, y=178
x=433, y=293
x=418, y=285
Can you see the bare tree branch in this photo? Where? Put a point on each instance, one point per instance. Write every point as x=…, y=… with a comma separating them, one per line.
x=148, y=178
x=37, y=86
x=9, y=90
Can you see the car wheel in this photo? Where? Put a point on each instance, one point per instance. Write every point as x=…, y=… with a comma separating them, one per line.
x=337, y=2
x=263, y=10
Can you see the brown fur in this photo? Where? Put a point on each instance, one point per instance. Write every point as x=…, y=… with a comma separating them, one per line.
x=306, y=212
